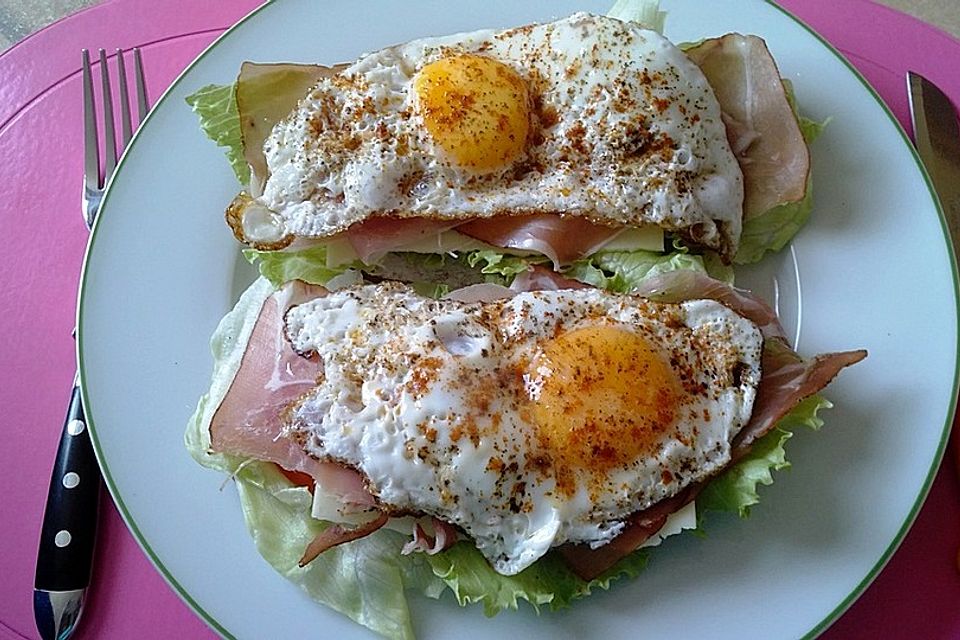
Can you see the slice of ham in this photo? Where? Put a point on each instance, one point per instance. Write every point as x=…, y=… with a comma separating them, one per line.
x=536, y=279
x=444, y=536
x=271, y=377
x=672, y=286
x=683, y=284
x=482, y=292
x=542, y=279
x=337, y=534
x=563, y=239
x=263, y=386
x=589, y=563
x=265, y=94
x=761, y=124
x=740, y=136
x=787, y=379
x=375, y=236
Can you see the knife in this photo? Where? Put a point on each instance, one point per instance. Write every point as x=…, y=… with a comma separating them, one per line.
x=937, y=135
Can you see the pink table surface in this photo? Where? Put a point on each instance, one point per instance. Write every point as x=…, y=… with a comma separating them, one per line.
x=917, y=595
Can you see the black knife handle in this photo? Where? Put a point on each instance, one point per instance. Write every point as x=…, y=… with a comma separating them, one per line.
x=69, y=529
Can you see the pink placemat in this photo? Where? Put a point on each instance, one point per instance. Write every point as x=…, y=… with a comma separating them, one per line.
x=40, y=143
x=916, y=596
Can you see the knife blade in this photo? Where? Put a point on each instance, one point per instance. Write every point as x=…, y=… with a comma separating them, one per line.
x=937, y=135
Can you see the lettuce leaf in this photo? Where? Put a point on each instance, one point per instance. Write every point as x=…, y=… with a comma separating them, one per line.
x=623, y=271
x=646, y=12
x=772, y=230
x=364, y=580
x=216, y=106
x=309, y=265
x=435, y=274
x=470, y=577
x=431, y=289
x=809, y=129
x=501, y=264
x=735, y=490
x=431, y=274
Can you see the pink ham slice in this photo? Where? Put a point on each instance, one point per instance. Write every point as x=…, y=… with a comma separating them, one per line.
x=563, y=239
x=375, y=236
x=444, y=536
x=672, y=286
x=337, y=534
x=683, y=284
x=272, y=376
x=788, y=379
x=589, y=563
x=543, y=279
x=482, y=292
x=761, y=125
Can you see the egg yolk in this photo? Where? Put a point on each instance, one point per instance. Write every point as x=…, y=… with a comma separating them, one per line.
x=602, y=397
x=476, y=109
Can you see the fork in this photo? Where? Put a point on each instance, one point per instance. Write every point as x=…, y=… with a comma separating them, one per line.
x=68, y=533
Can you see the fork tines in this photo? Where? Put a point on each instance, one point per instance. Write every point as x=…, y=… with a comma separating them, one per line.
x=96, y=174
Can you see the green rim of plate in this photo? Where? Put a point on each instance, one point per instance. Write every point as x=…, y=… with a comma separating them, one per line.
x=945, y=434
x=817, y=630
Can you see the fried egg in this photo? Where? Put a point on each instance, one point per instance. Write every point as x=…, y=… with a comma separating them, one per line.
x=586, y=116
x=527, y=422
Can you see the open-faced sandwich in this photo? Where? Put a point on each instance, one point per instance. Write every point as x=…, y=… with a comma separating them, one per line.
x=497, y=349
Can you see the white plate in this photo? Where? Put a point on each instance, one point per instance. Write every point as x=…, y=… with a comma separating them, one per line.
x=873, y=267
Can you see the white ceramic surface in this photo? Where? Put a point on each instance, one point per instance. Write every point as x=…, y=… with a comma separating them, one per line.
x=872, y=265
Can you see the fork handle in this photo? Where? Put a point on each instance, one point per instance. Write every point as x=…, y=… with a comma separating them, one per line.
x=68, y=533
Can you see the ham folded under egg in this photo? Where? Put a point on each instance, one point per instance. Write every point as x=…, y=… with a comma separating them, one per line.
x=563, y=239
x=761, y=126
x=248, y=422
x=374, y=237
x=272, y=377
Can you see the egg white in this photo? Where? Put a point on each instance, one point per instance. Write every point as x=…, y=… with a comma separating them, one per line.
x=398, y=401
